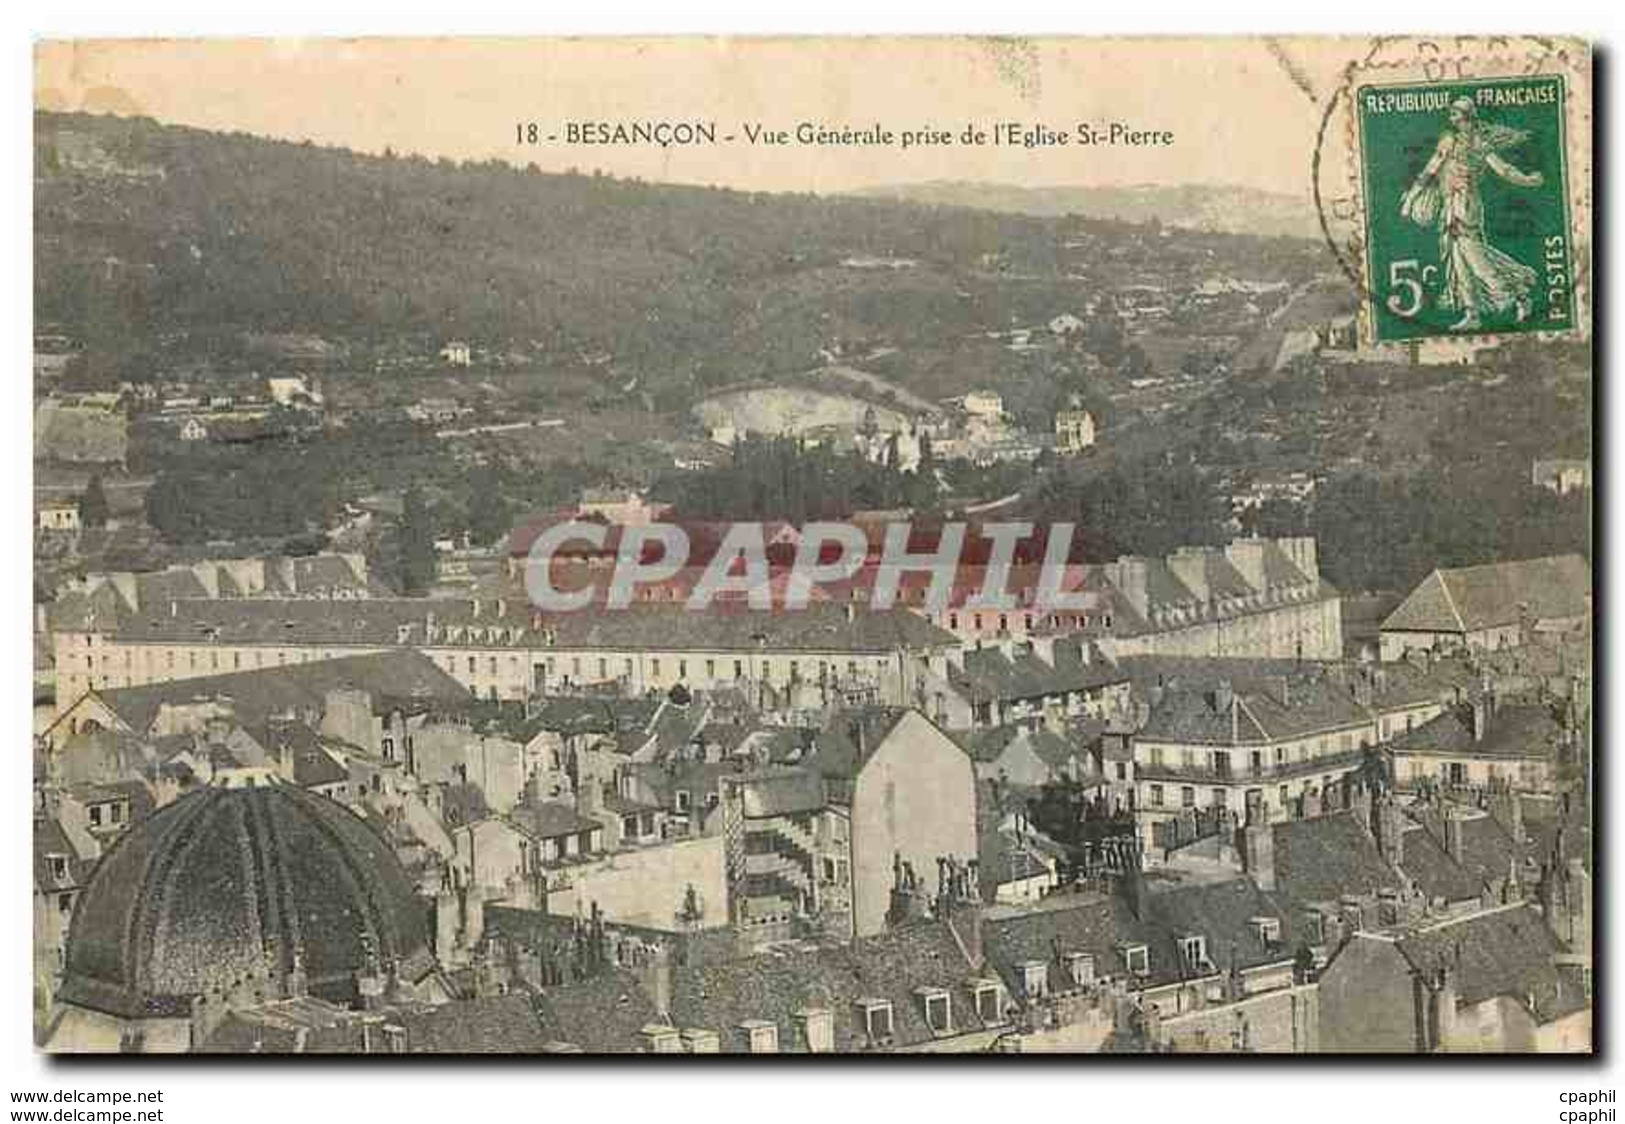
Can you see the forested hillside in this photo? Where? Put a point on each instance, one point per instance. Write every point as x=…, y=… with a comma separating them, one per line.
x=146, y=230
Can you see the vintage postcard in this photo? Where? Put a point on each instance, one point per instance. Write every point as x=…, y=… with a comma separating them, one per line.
x=813, y=546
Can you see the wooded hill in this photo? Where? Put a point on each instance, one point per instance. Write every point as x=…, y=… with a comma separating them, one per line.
x=149, y=230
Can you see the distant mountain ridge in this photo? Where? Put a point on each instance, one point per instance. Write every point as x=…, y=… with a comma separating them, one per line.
x=1216, y=208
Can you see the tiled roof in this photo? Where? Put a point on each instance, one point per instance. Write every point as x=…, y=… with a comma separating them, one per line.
x=601, y=1014
x=1499, y=952
x=1222, y=912
x=782, y=792
x=1512, y=730
x=1266, y=709
x=258, y=695
x=1429, y=866
x=1097, y=924
x=50, y=839
x=446, y=621
x=496, y=1024
x=992, y=673
x=846, y=744
x=1500, y=593
x=550, y=820
x=773, y=985
x=1320, y=860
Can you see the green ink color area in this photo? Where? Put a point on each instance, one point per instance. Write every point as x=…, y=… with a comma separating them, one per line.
x=1466, y=208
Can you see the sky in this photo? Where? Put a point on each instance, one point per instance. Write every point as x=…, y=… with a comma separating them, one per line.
x=1242, y=111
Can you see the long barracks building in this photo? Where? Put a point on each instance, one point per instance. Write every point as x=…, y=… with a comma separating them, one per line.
x=500, y=649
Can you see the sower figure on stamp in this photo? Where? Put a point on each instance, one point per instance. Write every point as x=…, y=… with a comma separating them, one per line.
x=1478, y=278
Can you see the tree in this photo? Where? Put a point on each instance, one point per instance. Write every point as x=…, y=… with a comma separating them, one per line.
x=488, y=517
x=417, y=544
x=93, y=504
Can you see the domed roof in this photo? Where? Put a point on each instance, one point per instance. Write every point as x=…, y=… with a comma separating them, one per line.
x=229, y=883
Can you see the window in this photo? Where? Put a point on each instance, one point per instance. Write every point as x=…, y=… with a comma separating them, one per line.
x=1122, y=770
x=1034, y=978
x=986, y=994
x=59, y=866
x=95, y=815
x=1221, y=798
x=874, y=1015
x=1156, y=796
x=683, y=800
x=654, y=667
x=1137, y=958
x=1267, y=930
x=1187, y=797
x=1193, y=950
x=761, y=1037
x=1081, y=967
x=938, y=1009
x=739, y=669
x=64, y=903
x=817, y=1029
x=603, y=669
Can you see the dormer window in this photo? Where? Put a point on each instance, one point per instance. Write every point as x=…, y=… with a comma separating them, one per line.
x=761, y=1036
x=697, y=1040
x=1314, y=927
x=1267, y=930
x=1034, y=978
x=59, y=866
x=1081, y=967
x=1137, y=958
x=938, y=1008
x=660, y=1039
x=1193, y=951
x=987, y=1000
x=875, y=1016
x=816, y=1026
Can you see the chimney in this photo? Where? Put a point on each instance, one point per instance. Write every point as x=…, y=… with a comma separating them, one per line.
x=1128, y=575
x=1311, y=803
x=590, y=797
x=1444, y=1008
x=1258, y=852
x=654, y=974
x=1133, y=885
x=1189, y=564
x=447, y=920
x=1302, y=551
x=1247, y=556
x=1453, y=833
x=1361, y=803
x=1507, y=809
x=1390, y=830
x=965, y=924
x=1478, y=718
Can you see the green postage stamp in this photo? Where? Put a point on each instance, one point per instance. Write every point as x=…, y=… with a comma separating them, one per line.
x=1466, y=207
